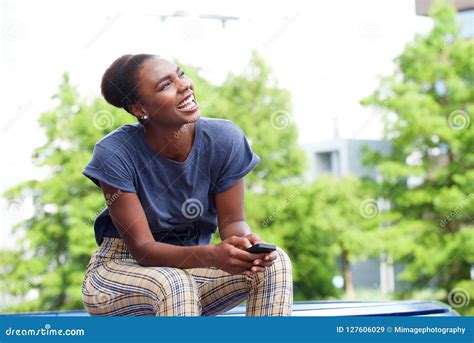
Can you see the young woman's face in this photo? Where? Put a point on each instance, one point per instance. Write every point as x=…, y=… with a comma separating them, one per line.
x=167, y=94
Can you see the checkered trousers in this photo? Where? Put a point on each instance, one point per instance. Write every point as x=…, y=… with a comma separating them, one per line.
x=116, y=285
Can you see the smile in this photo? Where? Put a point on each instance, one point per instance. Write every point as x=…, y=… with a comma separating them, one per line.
x=188, y=105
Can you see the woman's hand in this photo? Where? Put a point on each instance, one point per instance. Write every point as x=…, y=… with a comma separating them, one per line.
x=268, y=259
x=231, y=256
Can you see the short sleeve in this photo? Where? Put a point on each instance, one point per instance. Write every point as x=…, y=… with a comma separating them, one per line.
x=109, y=167
x=240, y=159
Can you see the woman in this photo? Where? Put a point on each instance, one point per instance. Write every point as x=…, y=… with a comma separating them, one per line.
x=169, y=181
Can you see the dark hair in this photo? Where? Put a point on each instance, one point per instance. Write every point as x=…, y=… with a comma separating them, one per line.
x=119, y=83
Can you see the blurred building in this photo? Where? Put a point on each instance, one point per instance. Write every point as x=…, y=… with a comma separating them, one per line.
x=465, y=16
x=340, y=157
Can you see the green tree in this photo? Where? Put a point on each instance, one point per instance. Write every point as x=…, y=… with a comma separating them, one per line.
x=428, y=177
x=323, y=222
x=57, y=241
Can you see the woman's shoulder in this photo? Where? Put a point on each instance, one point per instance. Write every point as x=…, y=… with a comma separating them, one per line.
x=121, y=137
x=217, y=122
x=222, y=130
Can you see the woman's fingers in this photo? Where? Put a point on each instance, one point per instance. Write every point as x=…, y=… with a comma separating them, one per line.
x=246, y=256
x=262, y=263
x=253, y=263
x=239, y=263
x=248, y=266
x=267, y=261
x=257, y=269
x=271, y=256
x=240, y=242
x=253, y=238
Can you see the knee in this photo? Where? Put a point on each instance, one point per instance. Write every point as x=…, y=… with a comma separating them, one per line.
x=178, y=281
x=281, y=267
x=282, y=263
x=181, y=294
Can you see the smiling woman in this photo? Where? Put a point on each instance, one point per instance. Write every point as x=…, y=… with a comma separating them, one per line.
x=154, y=76
x=170, y=194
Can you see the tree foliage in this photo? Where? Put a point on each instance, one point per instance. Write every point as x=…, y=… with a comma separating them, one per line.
x=428, y=177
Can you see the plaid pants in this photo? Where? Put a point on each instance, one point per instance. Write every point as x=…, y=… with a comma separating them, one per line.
x=116, y=285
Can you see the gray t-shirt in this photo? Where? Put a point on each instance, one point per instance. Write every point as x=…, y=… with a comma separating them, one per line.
x=178, y=198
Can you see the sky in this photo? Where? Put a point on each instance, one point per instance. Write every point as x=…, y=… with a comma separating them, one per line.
x=329, y=54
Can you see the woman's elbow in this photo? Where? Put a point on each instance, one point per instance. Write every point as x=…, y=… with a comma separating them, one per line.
x=141, y=252
x=144, y=262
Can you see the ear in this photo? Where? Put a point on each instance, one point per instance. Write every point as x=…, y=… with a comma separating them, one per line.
x=137, y=110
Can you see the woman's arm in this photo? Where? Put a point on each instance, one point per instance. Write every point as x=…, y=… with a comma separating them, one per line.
x=129, y=218
x=231, y=213
x=231, y=218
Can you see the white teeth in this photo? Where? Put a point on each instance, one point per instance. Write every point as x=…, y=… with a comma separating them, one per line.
x=186, y=101
x=188, y=107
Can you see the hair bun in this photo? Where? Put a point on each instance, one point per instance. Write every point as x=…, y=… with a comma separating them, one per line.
x=113, y=82
x=119, y=82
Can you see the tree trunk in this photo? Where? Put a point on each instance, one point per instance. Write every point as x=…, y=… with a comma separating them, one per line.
x=346, y=266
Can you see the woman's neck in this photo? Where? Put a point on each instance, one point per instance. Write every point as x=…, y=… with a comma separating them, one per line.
x=174, y=144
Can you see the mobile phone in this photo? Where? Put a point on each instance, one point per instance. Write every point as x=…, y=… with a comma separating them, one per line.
x=261, y=248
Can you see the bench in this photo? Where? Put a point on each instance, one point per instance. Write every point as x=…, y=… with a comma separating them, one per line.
x=325, y=309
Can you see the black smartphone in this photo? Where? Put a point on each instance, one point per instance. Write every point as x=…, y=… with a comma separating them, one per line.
x=262, y=248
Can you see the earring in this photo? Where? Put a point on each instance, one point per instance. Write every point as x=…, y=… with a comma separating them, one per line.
x=144, y=118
